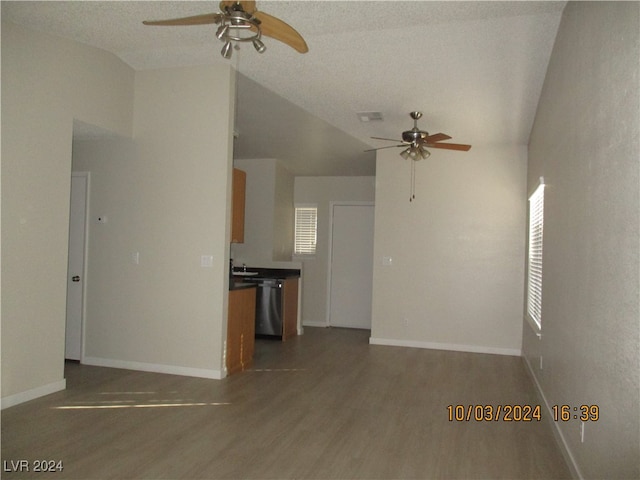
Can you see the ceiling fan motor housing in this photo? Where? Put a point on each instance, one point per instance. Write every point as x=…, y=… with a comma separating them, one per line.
x=414, y=135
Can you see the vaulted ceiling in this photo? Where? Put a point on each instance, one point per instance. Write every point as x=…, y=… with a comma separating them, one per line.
x=475, y=69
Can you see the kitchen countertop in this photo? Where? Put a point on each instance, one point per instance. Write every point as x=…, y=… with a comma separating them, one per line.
x=279, y=273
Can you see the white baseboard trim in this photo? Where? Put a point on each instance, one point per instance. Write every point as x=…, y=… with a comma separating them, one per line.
x=32, y=394
x=315, y=324
x=154, y=367
x=514, y=352
x=557, y=433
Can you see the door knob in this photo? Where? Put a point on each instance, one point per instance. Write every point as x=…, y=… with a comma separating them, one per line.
x=75, y=278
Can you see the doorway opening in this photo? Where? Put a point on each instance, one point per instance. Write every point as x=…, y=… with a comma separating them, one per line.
x=76, y=271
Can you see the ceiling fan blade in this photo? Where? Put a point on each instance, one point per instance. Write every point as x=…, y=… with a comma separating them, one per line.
x=382, y=148
x=387, y=139
x=437, y=137
x=449, y=146
x=275, y=28
x=205, y=19
x=248, y=6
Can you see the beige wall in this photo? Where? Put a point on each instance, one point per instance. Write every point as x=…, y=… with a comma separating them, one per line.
x=585, y=142
x=322, y=191
x=457, y=250
x=283, y=214
x=165, y=197
x=46, y=83
x=269, y=217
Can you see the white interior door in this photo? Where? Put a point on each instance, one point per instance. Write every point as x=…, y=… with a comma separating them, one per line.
x=351, y=274
x=75, y=274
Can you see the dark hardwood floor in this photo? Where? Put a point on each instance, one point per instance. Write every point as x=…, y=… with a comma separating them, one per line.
x=326, y=405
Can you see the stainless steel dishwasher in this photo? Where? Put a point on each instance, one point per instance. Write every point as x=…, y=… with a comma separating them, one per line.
x=269, y=307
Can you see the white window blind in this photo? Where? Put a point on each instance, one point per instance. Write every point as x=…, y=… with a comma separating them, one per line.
x=534, y=260
x=306, y=229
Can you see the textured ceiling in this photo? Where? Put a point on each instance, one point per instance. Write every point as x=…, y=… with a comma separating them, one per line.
x=475, y=69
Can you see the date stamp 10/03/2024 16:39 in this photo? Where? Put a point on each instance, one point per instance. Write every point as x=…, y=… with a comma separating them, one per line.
x=520, y=413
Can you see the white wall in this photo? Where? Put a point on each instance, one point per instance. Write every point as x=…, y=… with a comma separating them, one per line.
x=457, y=250
x=165, y=196
x=585, y=142
x=322, y=191
x=46, y=83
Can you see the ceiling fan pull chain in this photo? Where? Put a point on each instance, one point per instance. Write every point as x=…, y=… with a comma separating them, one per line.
x=413, y=182
x=412, y=195
x=410, y=180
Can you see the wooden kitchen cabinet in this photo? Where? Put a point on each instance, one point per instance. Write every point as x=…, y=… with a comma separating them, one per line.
x=290, y=308
x=241, y=329
x=237, y=205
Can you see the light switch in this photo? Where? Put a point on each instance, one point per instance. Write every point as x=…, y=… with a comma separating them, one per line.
x=206, y=261
x=135, y=258
x=387, y=261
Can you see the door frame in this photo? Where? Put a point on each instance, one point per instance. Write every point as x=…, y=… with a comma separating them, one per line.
x=85, y=260
x=341, y=203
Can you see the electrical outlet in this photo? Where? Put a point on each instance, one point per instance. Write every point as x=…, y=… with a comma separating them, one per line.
x=406, y=322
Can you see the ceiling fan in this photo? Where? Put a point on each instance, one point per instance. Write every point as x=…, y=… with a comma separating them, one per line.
x=414, y=142
x=240, y=21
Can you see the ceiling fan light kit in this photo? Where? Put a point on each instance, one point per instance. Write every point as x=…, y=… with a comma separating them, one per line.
x=241, y=22
x=415, y=153
x=234, y=23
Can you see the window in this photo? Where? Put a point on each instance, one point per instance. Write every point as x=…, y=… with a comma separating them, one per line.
x=306, y=230
x=534, y=259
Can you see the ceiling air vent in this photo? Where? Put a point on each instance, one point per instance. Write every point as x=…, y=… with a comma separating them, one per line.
x=369, y=116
